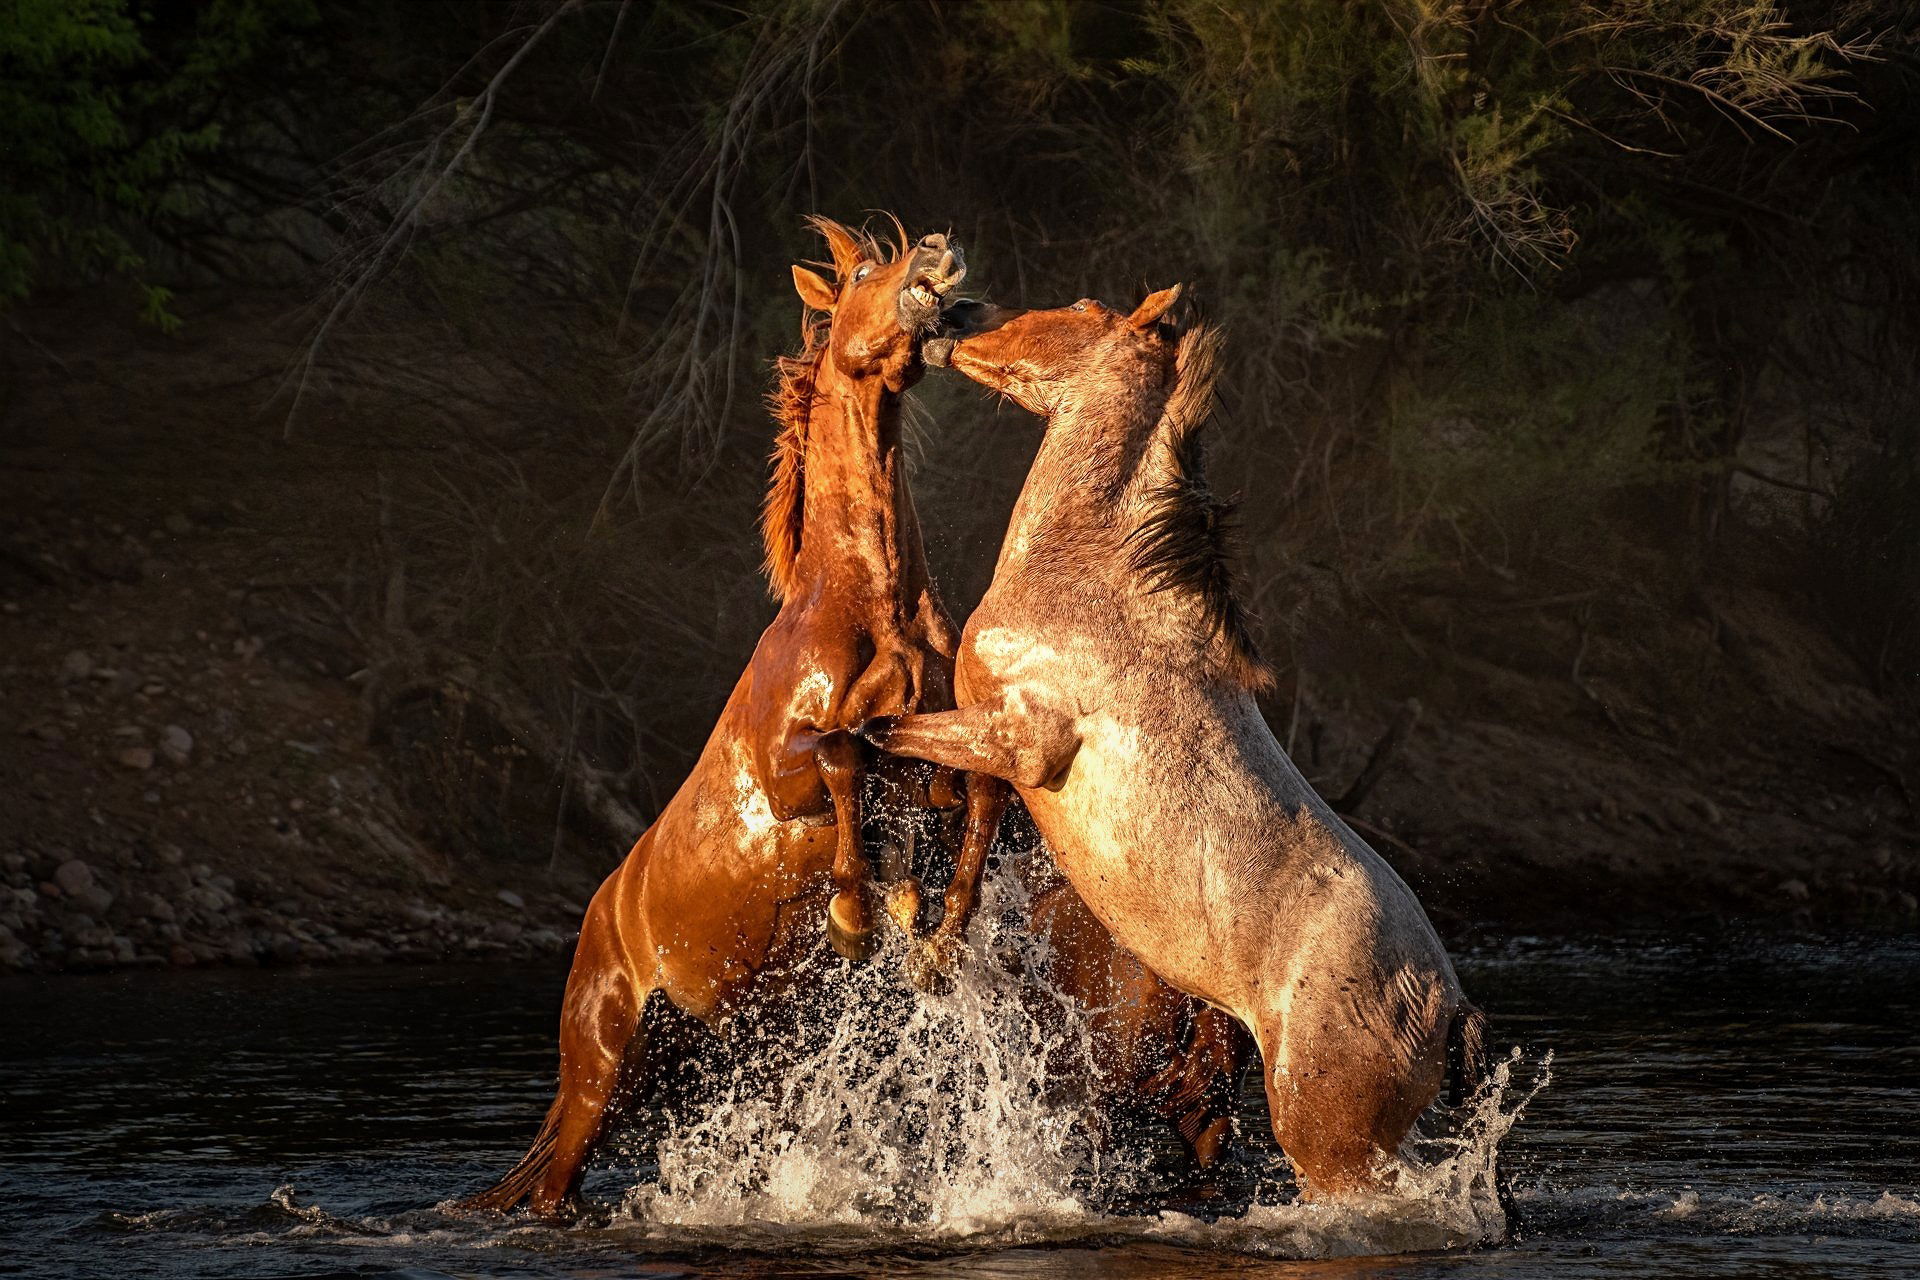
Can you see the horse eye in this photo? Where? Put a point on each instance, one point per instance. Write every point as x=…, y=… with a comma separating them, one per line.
x=863, y=273
x=1080, y=305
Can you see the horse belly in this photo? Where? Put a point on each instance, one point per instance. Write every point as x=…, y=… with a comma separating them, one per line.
x=722, y=873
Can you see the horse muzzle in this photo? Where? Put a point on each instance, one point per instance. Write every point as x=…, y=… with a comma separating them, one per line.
x=934, y=270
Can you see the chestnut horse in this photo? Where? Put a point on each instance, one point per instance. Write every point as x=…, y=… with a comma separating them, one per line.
x=722, y=895
x=1109, y=676
x=1156, y=1052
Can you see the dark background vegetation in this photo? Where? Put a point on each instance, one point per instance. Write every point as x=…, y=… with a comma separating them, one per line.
x=391, y=375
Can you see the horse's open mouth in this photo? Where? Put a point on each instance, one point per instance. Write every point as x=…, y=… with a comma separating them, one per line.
x=938, y=268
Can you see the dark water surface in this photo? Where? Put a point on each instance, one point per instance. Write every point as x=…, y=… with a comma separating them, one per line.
x=1714, y=1109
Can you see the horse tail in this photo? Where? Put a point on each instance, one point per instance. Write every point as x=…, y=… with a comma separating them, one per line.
x=1466, y=1053
x=519, y=1181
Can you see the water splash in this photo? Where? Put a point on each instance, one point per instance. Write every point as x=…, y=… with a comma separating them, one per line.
x=953, y=1121
x=1447, y=1197
x=927, y=1117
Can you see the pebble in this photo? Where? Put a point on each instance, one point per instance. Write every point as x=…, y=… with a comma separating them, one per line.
x=77, y=665
x=176, y=744
x=512, y=899
x=1795, y=889
x=75, y=878
x=136, y=757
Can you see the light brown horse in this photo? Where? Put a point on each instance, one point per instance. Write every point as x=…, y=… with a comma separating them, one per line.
x=724, y=893
x=1108, y=675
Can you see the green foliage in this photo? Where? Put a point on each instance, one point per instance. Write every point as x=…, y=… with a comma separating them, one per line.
x=104, y=108
x=1535, y=412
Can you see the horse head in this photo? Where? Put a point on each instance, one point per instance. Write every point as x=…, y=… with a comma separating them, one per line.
x=884, y=300
x=1042, y=360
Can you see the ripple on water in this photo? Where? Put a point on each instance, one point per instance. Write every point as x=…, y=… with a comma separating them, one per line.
x=1715, y=1111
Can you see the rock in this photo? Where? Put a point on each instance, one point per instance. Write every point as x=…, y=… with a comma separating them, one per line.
x=74, y=877
x=176, y=744
x=180, y=957
x=135, y=757
x=77, y=665
x=512, y=899
x=1796, y=890
x=171, y=855
x=1908, y=903
x=155, y=907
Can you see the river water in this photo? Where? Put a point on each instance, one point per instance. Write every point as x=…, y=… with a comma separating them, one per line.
x=1684, y=1107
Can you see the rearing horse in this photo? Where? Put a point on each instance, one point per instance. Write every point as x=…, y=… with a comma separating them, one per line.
x=722, y=895
x=1108, y=674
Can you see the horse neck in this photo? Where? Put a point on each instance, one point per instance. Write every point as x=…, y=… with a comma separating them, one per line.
x=859, y=532
x=1077, y=502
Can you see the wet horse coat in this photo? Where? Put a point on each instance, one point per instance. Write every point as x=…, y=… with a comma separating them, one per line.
x=725, y=892
x=1108, y=675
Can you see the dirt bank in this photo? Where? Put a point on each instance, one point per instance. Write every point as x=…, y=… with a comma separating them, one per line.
x=190, y=770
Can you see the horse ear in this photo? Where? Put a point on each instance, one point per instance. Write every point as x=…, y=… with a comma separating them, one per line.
x=1154, y=307
x=813, y=290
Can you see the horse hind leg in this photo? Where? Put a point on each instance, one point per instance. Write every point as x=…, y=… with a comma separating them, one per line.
x=1341, y=1106
x=600, y=1054
x=1211, y=1068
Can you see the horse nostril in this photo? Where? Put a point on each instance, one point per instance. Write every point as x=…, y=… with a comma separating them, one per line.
x=934, y=241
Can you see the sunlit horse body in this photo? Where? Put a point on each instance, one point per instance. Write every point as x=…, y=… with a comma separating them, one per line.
x=1107, y=674
x=725, y=892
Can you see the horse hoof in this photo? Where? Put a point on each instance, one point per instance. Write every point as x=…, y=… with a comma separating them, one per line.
x=903, y=905
x=933, y=964
x=851, y=941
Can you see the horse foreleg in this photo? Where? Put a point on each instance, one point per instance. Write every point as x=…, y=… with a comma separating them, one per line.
x=1025, y=745
x=936, y=958
x=849, y=923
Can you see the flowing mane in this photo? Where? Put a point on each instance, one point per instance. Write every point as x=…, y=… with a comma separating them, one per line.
x=791, y=403
x=1186, y=540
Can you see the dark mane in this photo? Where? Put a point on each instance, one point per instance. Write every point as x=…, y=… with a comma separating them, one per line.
x=1187, y=539
x=782, y=513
